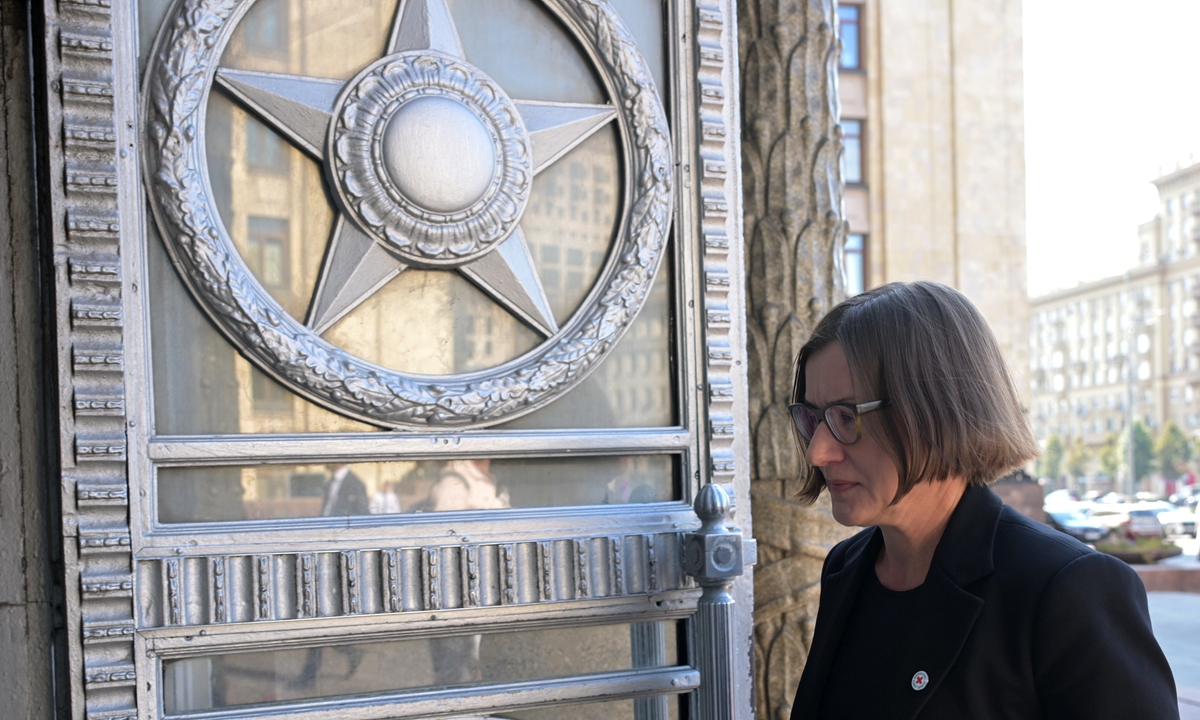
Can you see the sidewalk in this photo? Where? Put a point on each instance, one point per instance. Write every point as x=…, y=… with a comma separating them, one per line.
x=1176, y=620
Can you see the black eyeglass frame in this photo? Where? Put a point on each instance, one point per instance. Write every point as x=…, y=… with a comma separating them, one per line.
x=859, y=409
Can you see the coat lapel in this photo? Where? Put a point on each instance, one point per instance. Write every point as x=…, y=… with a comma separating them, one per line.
x=838, y=592
x=963, y=555
x=939, y=635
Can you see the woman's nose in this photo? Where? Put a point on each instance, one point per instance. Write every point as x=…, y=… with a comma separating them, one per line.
x=824, y=449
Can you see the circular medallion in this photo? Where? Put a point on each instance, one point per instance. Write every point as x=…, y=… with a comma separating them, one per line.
x=450, y=201
x=420, y=135
x=429, y=156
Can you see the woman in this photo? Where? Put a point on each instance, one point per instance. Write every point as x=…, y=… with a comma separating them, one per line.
x=950, y=604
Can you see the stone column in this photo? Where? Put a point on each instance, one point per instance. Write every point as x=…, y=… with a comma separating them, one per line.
x=794, y=232
x=30, y=683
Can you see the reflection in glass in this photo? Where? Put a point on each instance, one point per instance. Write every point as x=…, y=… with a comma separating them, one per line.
x=201, y=384
x=611, y=710
x=634, y=386
x=570, y=222
x=263, y=492
x=519, y=44
x=251, y=678
x=521, y=57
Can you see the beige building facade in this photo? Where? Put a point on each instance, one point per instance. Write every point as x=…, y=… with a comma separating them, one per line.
x=1086, y=341
x=934, y=100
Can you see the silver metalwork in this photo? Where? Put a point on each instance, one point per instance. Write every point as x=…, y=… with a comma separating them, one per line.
x=379, y=233
x=91, y=290
x=168, y=451
x=258, y=573
x=443, y=176
x=713, y=555
x=196, y=591
x=462, y=702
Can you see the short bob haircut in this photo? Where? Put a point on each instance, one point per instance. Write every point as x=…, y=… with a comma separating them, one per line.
x=951, y=407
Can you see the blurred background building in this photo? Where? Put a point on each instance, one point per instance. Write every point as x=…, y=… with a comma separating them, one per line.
x=933, y=125
x=1123, y=348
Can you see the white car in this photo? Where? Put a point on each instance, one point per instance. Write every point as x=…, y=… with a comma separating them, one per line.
x=1175, y=520
x=1127, y=520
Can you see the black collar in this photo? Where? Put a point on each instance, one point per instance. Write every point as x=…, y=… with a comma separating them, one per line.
x=965, y=551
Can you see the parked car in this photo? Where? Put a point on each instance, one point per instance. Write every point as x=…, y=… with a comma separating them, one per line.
x=1127, y=520
x=1076, y=524
x=1062, y=496
x=1186, y=497
x=1175, y=520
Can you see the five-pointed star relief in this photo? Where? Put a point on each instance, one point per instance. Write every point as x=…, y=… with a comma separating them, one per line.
x=357, y=264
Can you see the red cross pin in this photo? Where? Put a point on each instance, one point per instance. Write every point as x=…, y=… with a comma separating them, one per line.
x=920, y=680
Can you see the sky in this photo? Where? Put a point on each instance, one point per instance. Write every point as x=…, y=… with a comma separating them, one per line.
x=1112, y=94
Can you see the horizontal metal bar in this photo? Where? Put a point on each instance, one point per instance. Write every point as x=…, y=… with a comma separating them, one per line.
x=183, y=642
x=328, y=534
x=488, y=699
x=169, y=450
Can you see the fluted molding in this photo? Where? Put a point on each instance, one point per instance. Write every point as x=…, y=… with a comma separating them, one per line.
x=794, y=234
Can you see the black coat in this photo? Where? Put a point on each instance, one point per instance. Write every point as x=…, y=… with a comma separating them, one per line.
x=1024, y=623
x=351, y=498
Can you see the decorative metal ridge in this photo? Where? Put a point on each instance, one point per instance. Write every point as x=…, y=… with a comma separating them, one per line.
x=89, y=293
x=286, y=586
x=713, y=556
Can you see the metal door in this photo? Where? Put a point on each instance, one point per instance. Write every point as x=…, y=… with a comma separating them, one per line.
x=401, y=357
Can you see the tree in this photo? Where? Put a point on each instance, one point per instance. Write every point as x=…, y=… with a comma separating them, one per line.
x=1110, y=456
x=1143, y=451
x=1052, y=457
x=1172, y=451
x=1077, y=458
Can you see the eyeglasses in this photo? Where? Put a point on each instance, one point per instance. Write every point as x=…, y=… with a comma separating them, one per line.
x=841, y=418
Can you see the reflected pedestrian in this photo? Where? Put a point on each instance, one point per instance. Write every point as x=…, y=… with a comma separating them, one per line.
x=385, y=501
x=345, y=494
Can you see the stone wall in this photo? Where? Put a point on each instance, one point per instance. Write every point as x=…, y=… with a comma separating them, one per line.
x=27, y=593
x=794, y=233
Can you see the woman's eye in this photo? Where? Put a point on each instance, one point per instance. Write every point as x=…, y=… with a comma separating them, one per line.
x=845, y=419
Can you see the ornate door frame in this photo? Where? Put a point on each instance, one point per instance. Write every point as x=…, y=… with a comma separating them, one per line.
x=119, y=574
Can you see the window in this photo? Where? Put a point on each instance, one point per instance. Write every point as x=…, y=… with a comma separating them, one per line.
x=849, y=25
x=852, y=159
x=267, y=395
x=266, y=152
x=266, y=251
x=265, y=29
x=854, y=264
